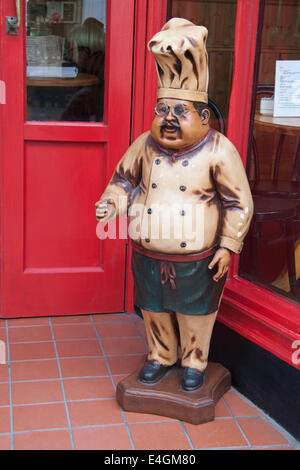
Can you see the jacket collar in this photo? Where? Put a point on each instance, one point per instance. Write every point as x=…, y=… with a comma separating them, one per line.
x=178, y=153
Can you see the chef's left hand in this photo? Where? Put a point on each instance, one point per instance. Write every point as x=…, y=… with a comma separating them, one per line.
x=222, y=258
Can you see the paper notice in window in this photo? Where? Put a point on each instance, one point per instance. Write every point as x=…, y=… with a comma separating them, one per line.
x=287, y=88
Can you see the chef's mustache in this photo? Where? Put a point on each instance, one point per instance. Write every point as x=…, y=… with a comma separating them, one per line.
x=173, y=122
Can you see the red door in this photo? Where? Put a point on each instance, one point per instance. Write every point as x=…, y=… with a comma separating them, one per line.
x=60, y=143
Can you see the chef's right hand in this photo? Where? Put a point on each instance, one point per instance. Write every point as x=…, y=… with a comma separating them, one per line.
x=104, y=210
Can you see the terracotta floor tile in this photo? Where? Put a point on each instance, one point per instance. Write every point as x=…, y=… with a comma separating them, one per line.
x=3, y=334
x=159, y=436
x=111, y=317
x=118, y=378
x=121, y=346
x=239, y=406
x=36, y=392
x=33, y=321
x=34, y=370
x=4, y=373
x=142, y=329
x=83, y=331
x=83, y=367
x=88, y=388
x=5, y=443
x=125, y=364
x=261, y=433
x=44, y=440
x=117, y=330
x=133, y=418
x=216, y=434
x=90, y=413
x=70, y=319
x=4, y=419
x=4, y=394
x=27, y=351
x=35, y=417
x=106, y=438
x=78, y=348
x=29, y=333
x=221, y=410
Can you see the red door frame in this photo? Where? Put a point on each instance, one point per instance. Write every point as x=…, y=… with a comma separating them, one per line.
x=150, y=16
x=255, y=313
x=13, y=266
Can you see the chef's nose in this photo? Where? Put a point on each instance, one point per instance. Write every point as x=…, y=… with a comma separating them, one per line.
x=170, y=116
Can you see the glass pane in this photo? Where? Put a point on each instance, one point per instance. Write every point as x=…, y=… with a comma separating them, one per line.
x=271, y=255
x=219, y=18
x=65, y=60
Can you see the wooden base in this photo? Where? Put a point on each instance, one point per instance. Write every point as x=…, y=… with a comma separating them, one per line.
x=167, y=398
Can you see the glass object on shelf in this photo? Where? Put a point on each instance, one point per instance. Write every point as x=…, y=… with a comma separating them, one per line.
x=65, y=60
x=271, y=254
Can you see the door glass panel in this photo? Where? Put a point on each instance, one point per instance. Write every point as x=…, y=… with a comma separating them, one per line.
x=65, y=60
x=271, y=254
x=218, y=16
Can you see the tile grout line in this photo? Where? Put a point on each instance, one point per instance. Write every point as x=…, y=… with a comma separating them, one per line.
x=62, y=385
x=78, y=357
x=187, y=435
x=105, y=322
x=140, y=333
x=65, y=378
x=55, y=379
x=9, y=389
x=238, y=424
x=66, y=340
x=27, y=431
x=291, y=439
x=112, y=380
x=67, y=429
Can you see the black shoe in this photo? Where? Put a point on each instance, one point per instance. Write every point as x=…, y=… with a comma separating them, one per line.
x=152, y=372
x=192, y=379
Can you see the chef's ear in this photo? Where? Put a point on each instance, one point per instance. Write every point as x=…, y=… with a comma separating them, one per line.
x=205, y=115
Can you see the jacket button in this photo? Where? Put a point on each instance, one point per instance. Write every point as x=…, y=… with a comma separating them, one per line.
x=147, y=240
x=185, y=163
x=182, y=188
x=154, y=185
x=183, y=244
x=157, y=161
x=149, y=211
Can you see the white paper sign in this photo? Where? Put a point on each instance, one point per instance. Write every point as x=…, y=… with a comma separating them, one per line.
x=287, y=88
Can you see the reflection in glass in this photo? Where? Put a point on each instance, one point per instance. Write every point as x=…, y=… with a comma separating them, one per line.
x=219, y=18
x=65, y=60
x=271, y=255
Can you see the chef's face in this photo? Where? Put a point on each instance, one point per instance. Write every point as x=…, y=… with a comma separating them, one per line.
x=178, y=132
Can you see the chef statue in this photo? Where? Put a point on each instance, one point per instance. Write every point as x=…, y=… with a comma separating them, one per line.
x=187, y=195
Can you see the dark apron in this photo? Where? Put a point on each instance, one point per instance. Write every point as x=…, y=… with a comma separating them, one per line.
x=165, y=285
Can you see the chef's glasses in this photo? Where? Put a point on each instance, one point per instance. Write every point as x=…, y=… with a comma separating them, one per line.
x=178, y=110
